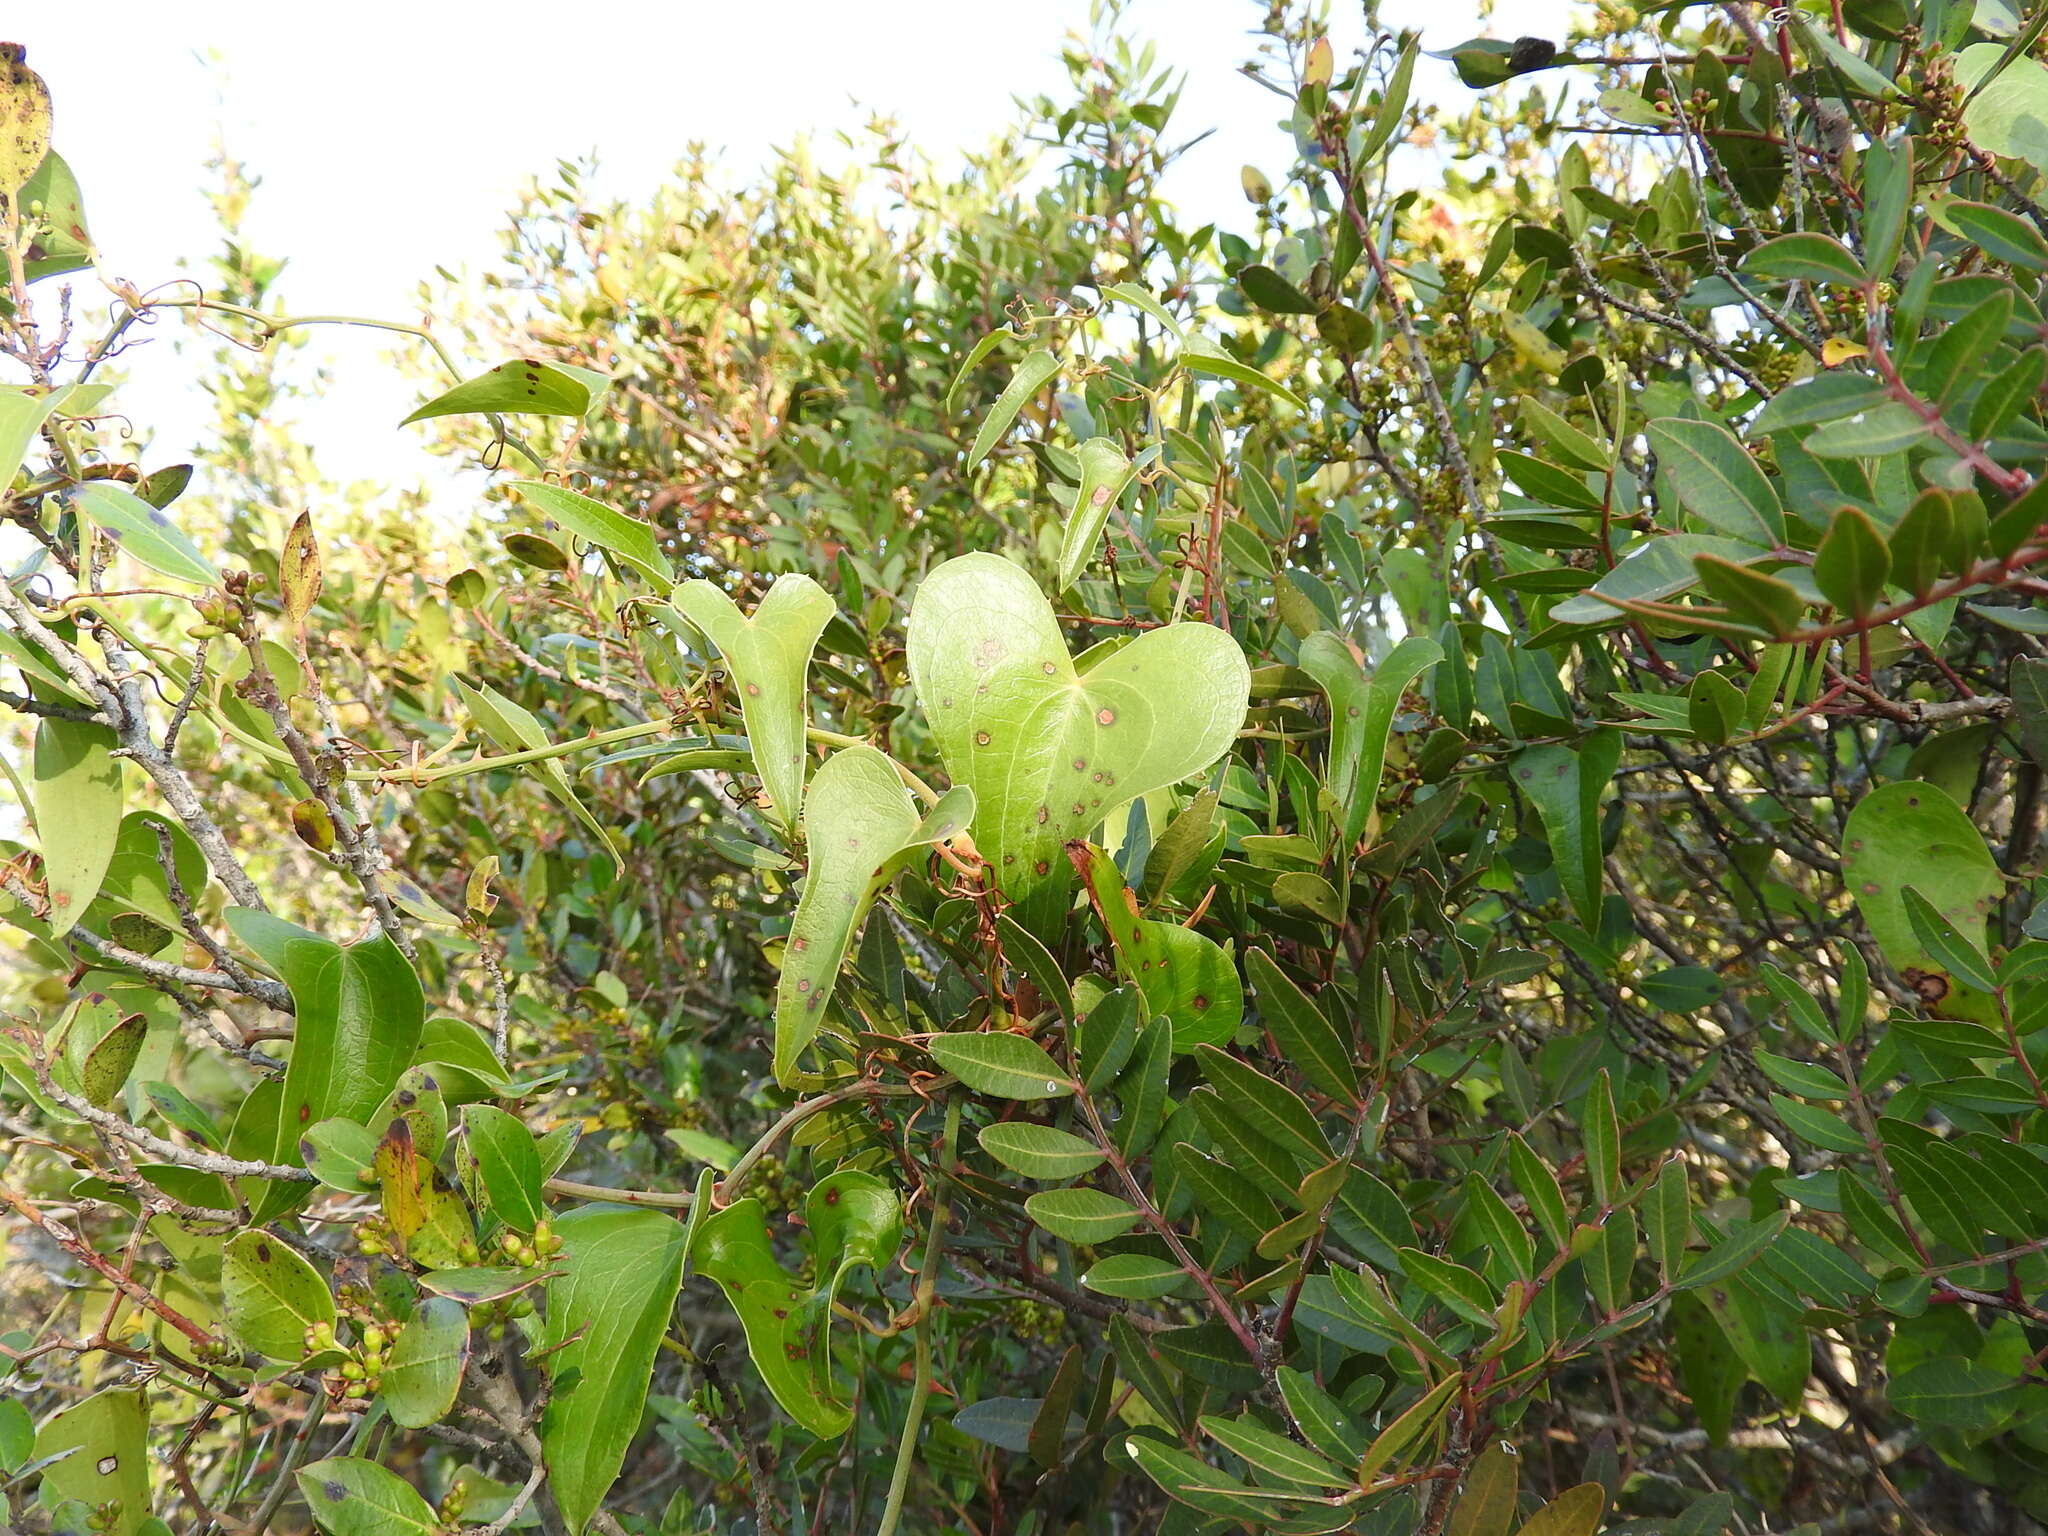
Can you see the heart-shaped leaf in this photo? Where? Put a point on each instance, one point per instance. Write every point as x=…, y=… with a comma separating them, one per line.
x=769, y=655
x=1049, y=749
x=1104, y=474
x=863, y=826
x=1188, y=979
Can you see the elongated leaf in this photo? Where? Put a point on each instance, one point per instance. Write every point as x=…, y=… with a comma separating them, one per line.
x=143, y=531
x=1952, y=950
x=1135, y=1276
x=1105, y=473
x=1200, y=354
x=770, y=657
x=1275, y=1455
x=1030, y=377
x=1001, y=1064
x=1731, y=1254
x=1824, y=397
x=607, y=1311
x=1603, y=1140
x=513, y=727
x=1039, y=1151
x=1658, y=568
x=78, y=805
x=1085, y=1216
x=1399, y=1441
x=1565, y=787
x=1305, y=1036
x=525, y=386
x=1392, y=108
x=1804, y=257
x=1718, y=481
x=1201, y=1487
x=628, y=538
x=863, y=828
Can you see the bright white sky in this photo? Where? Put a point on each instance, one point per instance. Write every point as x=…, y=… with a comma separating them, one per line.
x=391, y=137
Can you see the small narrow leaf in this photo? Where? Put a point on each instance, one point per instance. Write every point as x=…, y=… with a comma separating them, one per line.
x=1030, y=377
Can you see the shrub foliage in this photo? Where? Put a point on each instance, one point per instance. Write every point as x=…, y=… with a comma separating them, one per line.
x=1039, y=871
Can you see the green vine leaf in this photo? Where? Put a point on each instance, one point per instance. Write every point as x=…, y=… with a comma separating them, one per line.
x=770, y=658
x=524, y=386
x=1105, y=473
x=626, y=537
x=513, y=727
x=1028, y=380
x=863, y=827
x=143, y=532
x=1187, y=978
x=856, y=1220
x=1048, y=749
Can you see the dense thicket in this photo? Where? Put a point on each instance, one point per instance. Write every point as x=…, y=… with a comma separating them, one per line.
x=1039, y=871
